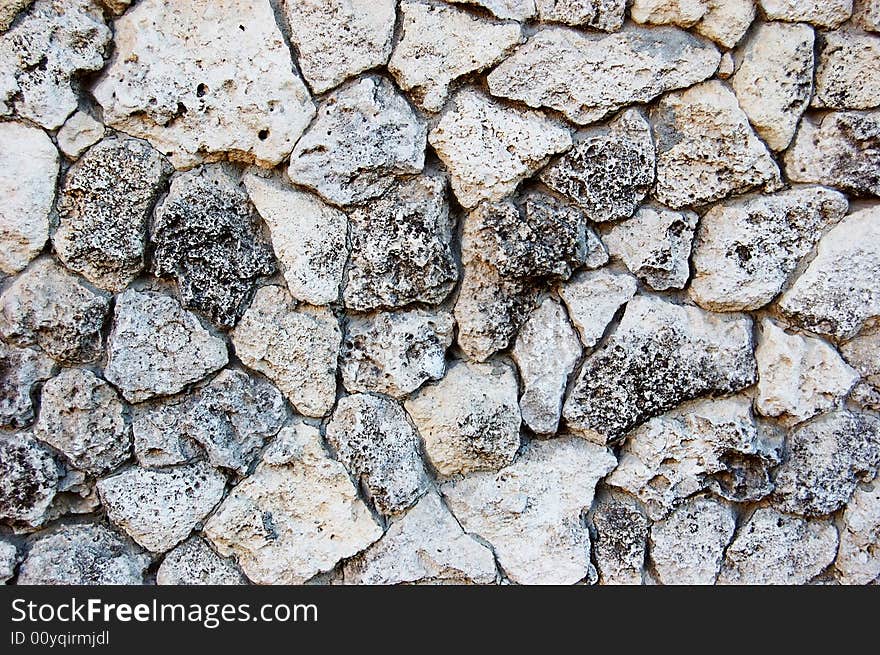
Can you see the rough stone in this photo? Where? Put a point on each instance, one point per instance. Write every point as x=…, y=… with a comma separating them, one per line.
x=838, y=293
x=364, y=135
x=531, y=511
x=684, y=13
x=866, y=14
x=159, y=508
x=79, y=133
x=9, y=560
x=205, y=80
x=774, y=79
x=47, y=306
x=747, y=249
x=208, y=237
x=726, y=21
x=605, y=15
x=863, y=354
x=621, y=539
x=822, y=13
x=505, y=9
x=847, y=75
x=777, y=549
x=858, y=558
x=194, y=563
x=593, y=298
x=581, y=75
x=20, y=370
x=157, y=348
x=489, y=148
x=308, y=236
x=655, y=245
x=394, y=353
x=9, y=10
x=295, y=347
x=104, y=206
x=469, y=420
x=29, y=480
x=372, y=437
x=706, y=149
x=439, y=44
x=28, y=169
x=298, y=515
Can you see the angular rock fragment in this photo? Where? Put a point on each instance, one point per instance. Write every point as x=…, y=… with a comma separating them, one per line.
x=372, y=437
x=582, y=75
x=159, y=508
x=364, y=135
x=825, y=460
x=295, y=347
x=83, y=554
x=858, y=558
x=308, y=236
x=684, y=13
x=401, y=247
x=194, y=563
x=104, y=205
x=838, y=293
x=298, y=515
x=774, y=80
x=8, y=561
x=605, y=15
x=43, y=55
x=531, y=511
x=726, y=21
x=822, y=13
x=469, y=420
x=621, y=539
x=28, y=170
x=427, y=545
x=513, y=9
x=205, y=80
x=207, y=237
x=746, y=249
x=157, y=348
x=546, y=352
x=79, y=133
x=778, y=549
x=29, y=480
x=848, y=74
x=687, y=546
x=706, y=149
x=394, y=353
x=655, y=245
x=9, y=9
x=439, y=44
x=593, y=298
x=489, y=148
x=20, y=370
x=863, y=354
x=866, y=14
x=48, y=307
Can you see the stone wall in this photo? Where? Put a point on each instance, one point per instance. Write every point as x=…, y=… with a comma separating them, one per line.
x=379, y=291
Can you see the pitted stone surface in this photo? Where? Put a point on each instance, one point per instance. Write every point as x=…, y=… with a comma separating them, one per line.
x=194, y=563
x=20, y=370
x=29, y=480
x=848, y=71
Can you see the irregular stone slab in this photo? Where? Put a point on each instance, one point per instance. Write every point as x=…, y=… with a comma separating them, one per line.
x=372, y=437
x=161, y=432
x=42, y=56
x=866, y=14
x=298, y=515
x=9, y=559
x=706, y=149
x=207, y=237
x=47, y=306
x=726, y=21
x=655, y=245
x=295, y=347
x=610, y=168
x=847, y=75
x=747, y=249
x=684, y=13
x=78, y=134
x=581, y=75
x=394, y=353
x=711, y=445
x=530, y=511
x=838, y=293
x=822, y=13
x=28, y=170
x=469, y=420
x=426, y=546
x=863, y=354
x=401, y=247
x=191, y=81
x=489, y=148
x=29, y=480
x=774, y=80
x=439, y=44
x=825, y=460
x=605, y=15
x=81, y=416
x=798, y=377
x=593, y=298
x=364, y=135
x=621, y=539
x=194, y=563
x=157, y=348
x=546, y=352
x=514, y=9
x=840, y=150
x=659, y=356
x=104, y=205
x=159, y=508
x=20, y=370
x=308, y=236
x=858, y=558
x=687, y=546
x=774, y=548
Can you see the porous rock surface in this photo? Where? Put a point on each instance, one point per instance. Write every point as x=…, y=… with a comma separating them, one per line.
x=194, y=563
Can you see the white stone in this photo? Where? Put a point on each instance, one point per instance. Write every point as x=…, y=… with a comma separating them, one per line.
x=863, y=354
x=684, y=13
x=726, y=21
x=866, y=14
x=194, y=563
x=858, y=559
x=78, y=133
x=605, y=15
x=822, y=13
x=848, y=73
x=593, y=298
x=513, y=9
x=8, y=561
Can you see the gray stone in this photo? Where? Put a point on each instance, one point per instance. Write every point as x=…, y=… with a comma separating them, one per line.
x=9, y=560
x=21, y=369
x=863, y=354
x=858, y=558
x=848, y=72
x=605, y=15
x=621, y=539
x=593, y=298
x=29, y=480
x=194, y=563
